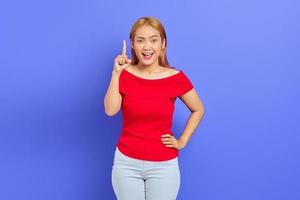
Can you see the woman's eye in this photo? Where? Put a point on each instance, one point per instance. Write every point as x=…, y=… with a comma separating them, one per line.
x=139, y=41
x=154, y=40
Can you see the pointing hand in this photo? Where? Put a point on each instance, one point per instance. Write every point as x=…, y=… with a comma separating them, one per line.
x=121, y=61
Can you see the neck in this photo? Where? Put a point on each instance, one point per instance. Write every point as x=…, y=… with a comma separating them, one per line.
x=149, y=69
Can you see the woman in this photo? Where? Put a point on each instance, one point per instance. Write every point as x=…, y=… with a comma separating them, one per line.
x=146, y=87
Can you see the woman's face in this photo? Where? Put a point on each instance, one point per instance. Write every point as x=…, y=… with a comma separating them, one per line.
x=147, y=45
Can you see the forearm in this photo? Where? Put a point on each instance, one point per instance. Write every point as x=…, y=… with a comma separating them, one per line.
x=190, y=127
x=113, y=99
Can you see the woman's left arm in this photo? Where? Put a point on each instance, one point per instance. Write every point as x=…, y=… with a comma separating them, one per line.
x=193, y=102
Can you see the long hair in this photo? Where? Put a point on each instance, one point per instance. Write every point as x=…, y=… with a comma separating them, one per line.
x=156, y=24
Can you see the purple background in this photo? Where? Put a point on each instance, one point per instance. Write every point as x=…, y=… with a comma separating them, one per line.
x=56, y=57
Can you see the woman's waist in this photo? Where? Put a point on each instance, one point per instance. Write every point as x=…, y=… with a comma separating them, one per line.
x=150, y=134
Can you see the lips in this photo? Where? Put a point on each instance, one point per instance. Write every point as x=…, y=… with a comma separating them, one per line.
x=147, y=55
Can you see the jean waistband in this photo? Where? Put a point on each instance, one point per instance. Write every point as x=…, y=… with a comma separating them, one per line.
x=121, y=156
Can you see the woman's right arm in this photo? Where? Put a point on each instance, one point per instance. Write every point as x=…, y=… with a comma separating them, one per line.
x=113, y=98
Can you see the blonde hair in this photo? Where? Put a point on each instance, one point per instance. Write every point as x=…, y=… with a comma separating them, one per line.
x=156, y=24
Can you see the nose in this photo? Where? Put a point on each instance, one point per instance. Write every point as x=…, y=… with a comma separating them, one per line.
x=146, y=45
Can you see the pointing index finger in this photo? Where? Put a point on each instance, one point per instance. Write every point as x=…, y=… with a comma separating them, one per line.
x=124, y=48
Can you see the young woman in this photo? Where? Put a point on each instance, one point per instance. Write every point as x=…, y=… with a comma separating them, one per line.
x=145, y=87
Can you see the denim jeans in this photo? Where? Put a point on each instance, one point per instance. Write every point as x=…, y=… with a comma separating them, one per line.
x=134, y=179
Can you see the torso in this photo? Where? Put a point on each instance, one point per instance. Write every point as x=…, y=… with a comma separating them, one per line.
x=164, y=72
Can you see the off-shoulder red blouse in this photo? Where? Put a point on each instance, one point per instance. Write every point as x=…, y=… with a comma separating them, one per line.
x=147, y=109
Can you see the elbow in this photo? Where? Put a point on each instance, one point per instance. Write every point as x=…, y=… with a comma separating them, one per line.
x=111, y=113
x=110, y=110
x=199, y=111
x=202, y=112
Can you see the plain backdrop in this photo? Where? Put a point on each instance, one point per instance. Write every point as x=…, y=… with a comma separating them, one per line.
x=56, y=57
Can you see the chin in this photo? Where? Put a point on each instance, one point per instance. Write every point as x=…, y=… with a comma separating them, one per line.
x=146, y=63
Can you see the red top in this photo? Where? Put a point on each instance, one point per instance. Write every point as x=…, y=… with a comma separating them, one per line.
x=147, y=107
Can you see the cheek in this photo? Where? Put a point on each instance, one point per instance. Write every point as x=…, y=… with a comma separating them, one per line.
x=137, y=50
x=158, y=47
x=157, y=50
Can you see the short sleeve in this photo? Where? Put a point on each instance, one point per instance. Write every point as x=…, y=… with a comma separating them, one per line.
x=184, y=86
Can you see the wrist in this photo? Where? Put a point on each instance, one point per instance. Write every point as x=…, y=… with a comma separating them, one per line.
x=115, y=72
x=181, y=143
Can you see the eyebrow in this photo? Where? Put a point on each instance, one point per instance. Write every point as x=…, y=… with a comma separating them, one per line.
x=149, y=37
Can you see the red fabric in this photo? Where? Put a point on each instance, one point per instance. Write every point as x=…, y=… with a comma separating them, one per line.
x=147, y=108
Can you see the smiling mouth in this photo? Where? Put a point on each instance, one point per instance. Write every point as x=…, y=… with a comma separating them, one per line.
x=147, y=56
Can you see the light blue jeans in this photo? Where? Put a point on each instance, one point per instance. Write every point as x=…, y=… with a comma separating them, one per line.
x=135, y=179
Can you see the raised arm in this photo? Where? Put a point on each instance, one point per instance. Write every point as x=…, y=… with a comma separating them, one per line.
x=113, y=98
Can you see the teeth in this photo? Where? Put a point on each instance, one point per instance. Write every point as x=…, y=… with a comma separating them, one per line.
x=147, y=54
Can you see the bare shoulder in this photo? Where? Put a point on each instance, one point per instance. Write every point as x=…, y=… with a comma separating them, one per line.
x=165, y=72
x=172, y=71
x=129, y=68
